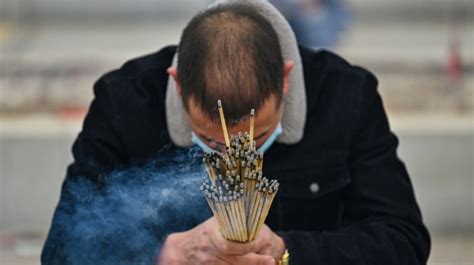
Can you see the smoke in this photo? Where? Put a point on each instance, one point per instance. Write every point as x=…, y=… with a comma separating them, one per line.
x=126, y=221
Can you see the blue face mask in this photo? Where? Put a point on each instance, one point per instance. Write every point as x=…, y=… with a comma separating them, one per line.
x=195, y=139
x=264, y=147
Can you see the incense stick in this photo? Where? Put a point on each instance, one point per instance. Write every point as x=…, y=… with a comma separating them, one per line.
x=224, y=126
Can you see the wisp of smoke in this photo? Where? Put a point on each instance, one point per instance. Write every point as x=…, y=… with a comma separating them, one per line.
x=126, y=221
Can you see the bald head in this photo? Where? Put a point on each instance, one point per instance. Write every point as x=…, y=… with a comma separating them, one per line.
x=230, y=53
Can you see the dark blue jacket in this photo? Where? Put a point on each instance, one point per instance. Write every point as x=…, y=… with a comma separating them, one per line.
x=345, y=196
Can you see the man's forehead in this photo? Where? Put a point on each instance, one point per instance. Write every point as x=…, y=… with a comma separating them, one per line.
x=210, y=117
x=204, y=122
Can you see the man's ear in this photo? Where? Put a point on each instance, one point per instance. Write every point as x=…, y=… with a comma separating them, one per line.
x=173, y=72
x=287, y=67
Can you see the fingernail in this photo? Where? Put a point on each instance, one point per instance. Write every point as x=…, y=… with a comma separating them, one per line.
x=271, y=262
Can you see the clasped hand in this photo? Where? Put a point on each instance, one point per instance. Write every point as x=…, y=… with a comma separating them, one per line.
x=204, y=244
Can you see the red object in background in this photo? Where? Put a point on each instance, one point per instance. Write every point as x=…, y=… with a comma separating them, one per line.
x=72, y=113
x=454, y=64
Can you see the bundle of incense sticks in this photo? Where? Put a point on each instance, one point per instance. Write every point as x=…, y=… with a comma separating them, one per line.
x=237, y=193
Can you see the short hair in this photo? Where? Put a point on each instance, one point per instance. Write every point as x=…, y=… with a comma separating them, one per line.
x=230, y=52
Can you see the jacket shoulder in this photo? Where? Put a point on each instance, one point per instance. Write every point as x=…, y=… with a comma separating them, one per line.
x=335, y=93
x=134, y=97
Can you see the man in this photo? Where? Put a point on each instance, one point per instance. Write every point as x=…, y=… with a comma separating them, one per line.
x=345, y=197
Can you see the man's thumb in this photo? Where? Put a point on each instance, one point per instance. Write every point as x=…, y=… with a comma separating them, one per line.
x=256, y=259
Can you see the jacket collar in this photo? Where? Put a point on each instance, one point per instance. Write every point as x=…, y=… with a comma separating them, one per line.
x=294, y=116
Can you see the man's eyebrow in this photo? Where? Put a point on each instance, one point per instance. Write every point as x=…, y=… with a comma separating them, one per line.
x=261, y=135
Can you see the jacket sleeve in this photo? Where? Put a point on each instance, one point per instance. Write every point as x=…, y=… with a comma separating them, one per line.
x=96, y=151
x=382, y=223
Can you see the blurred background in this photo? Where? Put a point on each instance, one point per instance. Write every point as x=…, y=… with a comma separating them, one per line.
x=51, y=52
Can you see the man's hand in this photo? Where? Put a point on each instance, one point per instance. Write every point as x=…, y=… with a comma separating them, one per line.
x=269, y=243
x=204, y=244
